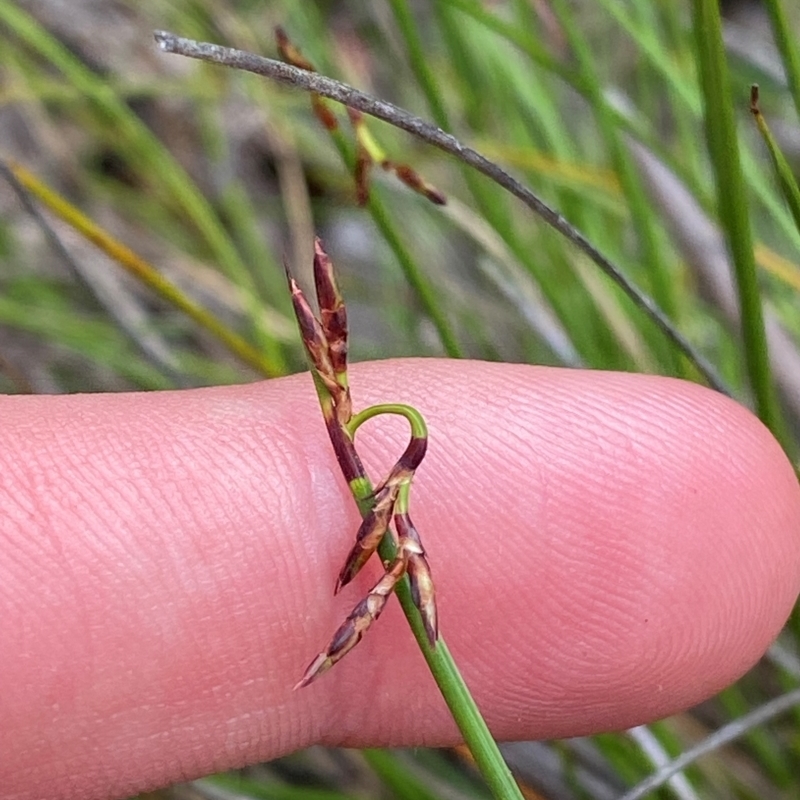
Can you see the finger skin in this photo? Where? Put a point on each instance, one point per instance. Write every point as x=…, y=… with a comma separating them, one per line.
x=607, y=549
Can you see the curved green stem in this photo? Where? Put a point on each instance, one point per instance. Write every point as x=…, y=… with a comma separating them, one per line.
x=325, y=340
x=418, y=427
x=734, y=213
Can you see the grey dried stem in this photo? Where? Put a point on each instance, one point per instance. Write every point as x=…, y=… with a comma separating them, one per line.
x=400, y=118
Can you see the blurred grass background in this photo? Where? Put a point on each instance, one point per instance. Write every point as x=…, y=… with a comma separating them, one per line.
x=211, y=177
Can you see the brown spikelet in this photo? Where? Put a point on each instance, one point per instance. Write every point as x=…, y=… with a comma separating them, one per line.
x=290, y=52
x=357, y=623
x=343, y=447
x=333, y=314
x=361, y=174
x=369, y=535
x=326, y=341
x=323, y=113
x=333, y=325
x=419, y=575
x=364, y=159
x=422, y=592
x=410, y=177
x=754, y=107
x=313, y=337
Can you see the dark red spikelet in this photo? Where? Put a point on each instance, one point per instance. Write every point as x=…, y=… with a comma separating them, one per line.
x=332, y=310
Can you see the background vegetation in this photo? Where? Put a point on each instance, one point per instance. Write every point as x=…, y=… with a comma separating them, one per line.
x=211, y=176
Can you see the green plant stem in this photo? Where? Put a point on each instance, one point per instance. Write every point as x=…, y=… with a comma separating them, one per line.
x=734, y=214
x=396, y=775
x=783, y=172
x=785, y=39
x=494, y=212
x=448, y=678
x=415, y=419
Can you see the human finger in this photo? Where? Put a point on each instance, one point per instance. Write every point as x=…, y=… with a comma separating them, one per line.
x=607, y=549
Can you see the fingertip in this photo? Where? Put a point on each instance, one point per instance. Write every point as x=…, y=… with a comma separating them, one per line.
x=608, y=548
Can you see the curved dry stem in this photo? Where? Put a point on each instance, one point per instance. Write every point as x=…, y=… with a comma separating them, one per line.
x=400, y=118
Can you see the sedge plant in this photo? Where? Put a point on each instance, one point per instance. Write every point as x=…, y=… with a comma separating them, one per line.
x=325, y=342
x=407, y=572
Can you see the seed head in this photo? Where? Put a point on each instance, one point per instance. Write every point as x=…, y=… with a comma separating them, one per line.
x=369, y=535
x=356, y=625
x=332, y=311
x=419, y=575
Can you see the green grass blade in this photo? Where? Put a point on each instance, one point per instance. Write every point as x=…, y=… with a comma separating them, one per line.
x=397, y=777
x=783, y=172
x=786, y=40
x=723, y=147
x=146, y=146
x=640, y=209
x=250, y=788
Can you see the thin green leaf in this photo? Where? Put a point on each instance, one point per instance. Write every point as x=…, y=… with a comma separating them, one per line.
x=783, y=172
x=734, y=214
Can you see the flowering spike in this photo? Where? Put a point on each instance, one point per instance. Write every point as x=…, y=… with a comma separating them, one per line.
x=361, y=174
x=419, y=574
x=323, y=113
x=313, y=336
x=368, y=151
x=422, y=592
x=369, y=535
x=290, y=52
x=356, y=625
x=325, y=341
x=333, y=314
x=411, y=178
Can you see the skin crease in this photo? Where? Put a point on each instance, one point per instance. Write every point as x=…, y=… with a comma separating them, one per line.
x=607, y=548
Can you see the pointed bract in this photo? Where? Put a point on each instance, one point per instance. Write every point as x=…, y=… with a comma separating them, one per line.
x=321, y=663
x=423, y=595
x=323, y=113
x=411, y=178
x=361, y=174
x=312, y=334
x=290, y=52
